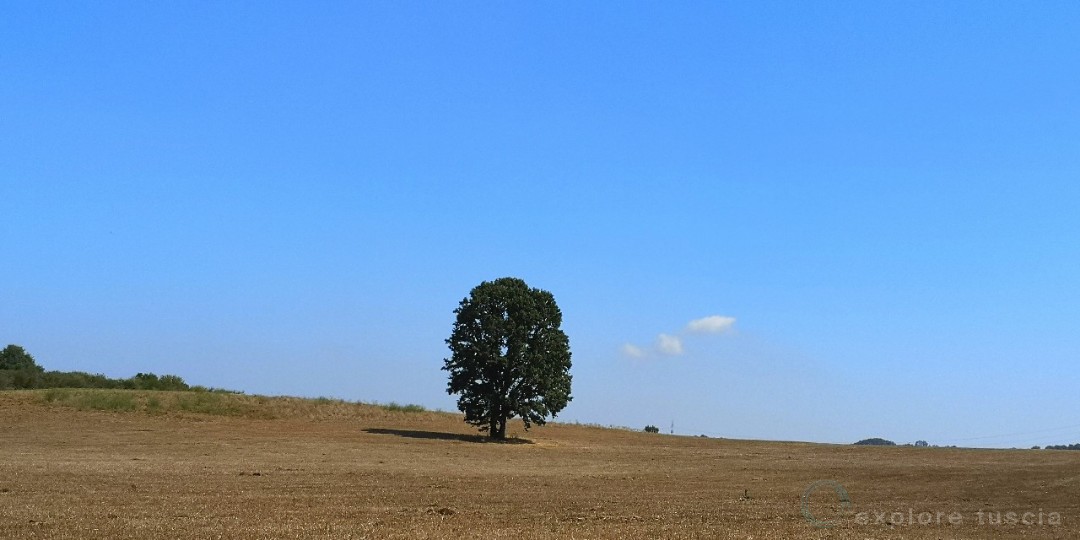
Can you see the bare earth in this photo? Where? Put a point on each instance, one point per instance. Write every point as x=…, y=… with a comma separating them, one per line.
x=335, y=470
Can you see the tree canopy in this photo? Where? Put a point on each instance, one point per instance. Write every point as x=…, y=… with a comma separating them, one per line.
x=876, y=441
x=19, y=370
x=510, y=358
x=15, y=357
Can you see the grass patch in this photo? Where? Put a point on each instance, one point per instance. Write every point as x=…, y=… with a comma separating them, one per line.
x=219, y=403
x=153, y=405
x=158, y=402
x=92, y=400
x=395, y=407
x=199, y=388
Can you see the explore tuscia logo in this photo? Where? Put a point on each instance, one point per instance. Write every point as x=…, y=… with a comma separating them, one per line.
x=835, y=510
x=833, y=506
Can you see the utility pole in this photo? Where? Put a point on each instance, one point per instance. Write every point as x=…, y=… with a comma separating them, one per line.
x=672, y=427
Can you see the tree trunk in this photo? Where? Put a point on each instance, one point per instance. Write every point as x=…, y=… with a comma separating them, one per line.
x=498, y=428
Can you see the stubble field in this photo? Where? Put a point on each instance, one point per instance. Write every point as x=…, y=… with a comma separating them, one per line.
x=244, y=467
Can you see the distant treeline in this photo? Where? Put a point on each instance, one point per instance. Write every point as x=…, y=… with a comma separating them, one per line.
x=19, y=371
x=876, y=441
x=1064, y=447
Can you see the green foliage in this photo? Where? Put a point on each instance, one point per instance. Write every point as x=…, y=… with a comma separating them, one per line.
x=14, y=357
x=875, y=442
x=31, y=379
x=1063, y=447
x=652, y=429
x=19, y=371
x=201, y=388
x=509, y=356
x=410, y=408
x=76, y=379
x=149, y=381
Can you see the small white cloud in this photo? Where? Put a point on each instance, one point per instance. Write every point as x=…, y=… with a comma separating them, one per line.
x=713, y=324
x=633, y=351
x=669, y=345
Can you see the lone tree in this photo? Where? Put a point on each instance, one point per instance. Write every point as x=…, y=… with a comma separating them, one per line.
x=510, y=358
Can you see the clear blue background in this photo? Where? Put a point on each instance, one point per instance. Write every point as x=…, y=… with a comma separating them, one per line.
x=292, y=198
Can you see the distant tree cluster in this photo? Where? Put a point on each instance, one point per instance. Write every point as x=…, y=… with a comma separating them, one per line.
x=1063, y=447
x=652, y=429
x=15, y=358
x=876, y=441
x=19, y=371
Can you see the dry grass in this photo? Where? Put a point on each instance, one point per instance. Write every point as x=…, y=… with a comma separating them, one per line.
x=290, y=468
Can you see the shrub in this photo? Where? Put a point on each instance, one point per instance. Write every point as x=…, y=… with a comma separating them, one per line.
x=171, y=382
x=410, y=408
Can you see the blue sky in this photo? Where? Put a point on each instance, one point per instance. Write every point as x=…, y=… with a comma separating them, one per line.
x=292, y=198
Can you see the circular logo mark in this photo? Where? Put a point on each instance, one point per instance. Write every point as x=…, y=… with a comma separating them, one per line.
x=841, y=493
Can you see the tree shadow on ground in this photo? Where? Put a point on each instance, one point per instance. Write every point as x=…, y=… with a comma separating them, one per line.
x=442, y=436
